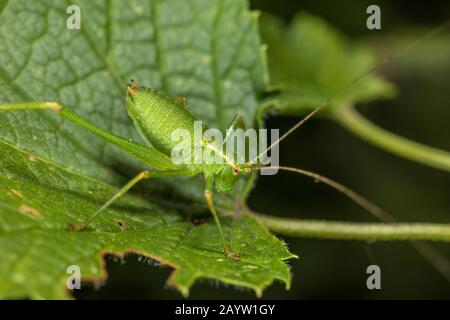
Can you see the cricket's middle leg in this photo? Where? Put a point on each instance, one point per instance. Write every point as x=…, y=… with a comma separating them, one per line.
x=141, y=176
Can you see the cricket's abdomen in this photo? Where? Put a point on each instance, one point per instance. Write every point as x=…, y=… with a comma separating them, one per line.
x=157, y=116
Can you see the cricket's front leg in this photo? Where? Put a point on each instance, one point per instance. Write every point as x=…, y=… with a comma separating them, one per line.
x=209, y=200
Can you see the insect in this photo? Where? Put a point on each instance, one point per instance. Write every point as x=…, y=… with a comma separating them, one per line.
x=148, y=108
x=156, y=116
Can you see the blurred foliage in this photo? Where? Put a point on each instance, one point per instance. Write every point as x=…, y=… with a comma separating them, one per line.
x=336, y=269
x=411, y=192
x=313, y=62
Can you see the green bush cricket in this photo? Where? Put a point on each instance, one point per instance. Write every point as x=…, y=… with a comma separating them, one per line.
x=156, y=116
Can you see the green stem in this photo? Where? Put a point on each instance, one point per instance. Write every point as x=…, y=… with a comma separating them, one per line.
x=391, y=142
x=355, y=231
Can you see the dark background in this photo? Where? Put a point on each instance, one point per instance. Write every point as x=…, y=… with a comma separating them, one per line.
x=411, y=192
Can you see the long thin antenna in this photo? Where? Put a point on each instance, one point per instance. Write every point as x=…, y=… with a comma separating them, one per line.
x=360, y=200
x=433, y=256
x=377, y=65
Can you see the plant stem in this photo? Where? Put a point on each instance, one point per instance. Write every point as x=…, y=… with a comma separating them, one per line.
x=355, y=231
x=356, y=123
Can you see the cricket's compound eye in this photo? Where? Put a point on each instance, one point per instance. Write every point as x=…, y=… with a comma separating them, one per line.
x=236, y=170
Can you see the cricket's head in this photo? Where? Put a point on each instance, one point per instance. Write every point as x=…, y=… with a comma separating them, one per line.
x=230, y=174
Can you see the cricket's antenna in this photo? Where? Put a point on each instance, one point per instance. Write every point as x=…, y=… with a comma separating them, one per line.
x=293, y=128
x=382, y=62
x=433, y=256
x=360, y=200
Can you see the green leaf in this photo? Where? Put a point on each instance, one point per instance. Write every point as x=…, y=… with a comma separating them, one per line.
x=313, y=62
x=53, y=173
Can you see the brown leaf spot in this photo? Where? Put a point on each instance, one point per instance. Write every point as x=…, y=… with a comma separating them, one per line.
x=17, y=193
x=236, y=256
x=197, y=221
x=31, y=158
x=26, y=209
x=121, y=224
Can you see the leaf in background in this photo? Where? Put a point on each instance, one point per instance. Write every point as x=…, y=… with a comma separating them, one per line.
x=53, y=172
x=313, y=62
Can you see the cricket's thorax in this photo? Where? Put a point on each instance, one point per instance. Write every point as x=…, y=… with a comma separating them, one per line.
x=226, y=178
x=157, y=116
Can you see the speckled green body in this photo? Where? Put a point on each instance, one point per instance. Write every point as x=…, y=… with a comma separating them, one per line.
x=157, y=115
